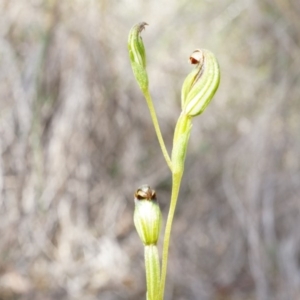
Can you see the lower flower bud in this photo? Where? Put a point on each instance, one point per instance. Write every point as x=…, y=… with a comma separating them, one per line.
x=147, y=215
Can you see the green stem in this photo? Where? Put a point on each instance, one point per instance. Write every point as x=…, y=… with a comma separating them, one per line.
x=180, y=142
x=157, y=129
x=152, y=271
x=175, y=191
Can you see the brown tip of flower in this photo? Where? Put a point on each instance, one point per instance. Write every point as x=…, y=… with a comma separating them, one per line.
x=145, y=193
x=142, y=26
x=196, y=57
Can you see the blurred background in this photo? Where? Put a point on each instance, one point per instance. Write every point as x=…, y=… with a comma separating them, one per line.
x=77, y=141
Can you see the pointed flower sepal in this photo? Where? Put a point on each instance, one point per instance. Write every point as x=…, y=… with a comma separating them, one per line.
x=147, y=215
x=137, y=55
x=201, y=84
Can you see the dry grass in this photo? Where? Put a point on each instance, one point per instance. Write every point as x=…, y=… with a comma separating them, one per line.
x=77, y=140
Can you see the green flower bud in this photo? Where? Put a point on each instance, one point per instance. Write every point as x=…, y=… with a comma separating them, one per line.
x=201, y=84
x=137, y=55
x=147, y=215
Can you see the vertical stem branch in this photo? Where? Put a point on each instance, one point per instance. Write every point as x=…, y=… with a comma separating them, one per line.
x=152, y=271
x=175, y=191
x=157, y=129
x=180, y=142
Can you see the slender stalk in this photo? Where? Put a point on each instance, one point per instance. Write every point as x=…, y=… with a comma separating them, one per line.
x=152, y=271
x=157, y=129
x=180, y=142
x=176, y=179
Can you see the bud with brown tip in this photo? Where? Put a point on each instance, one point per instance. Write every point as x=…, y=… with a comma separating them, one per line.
x=147, y=215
